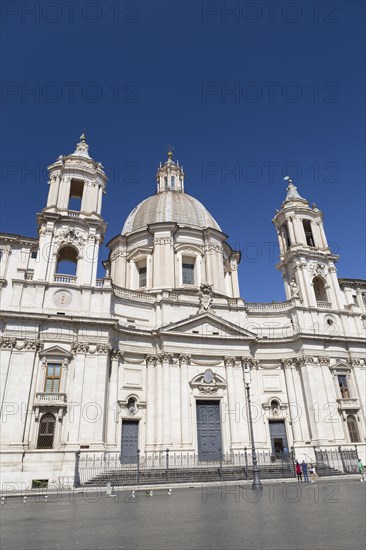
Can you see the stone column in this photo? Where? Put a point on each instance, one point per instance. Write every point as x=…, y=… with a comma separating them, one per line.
x=315, y=399
x=307, y=292
x=113, y=407
x=101, y=369
x=185, y=405
x=334, y=287
x=163, y=256
x=234, y=278
x=232, y=410
x=210, y=276
x=323, y=236
x=295, y=411
x=166, y=359
x=158, y=403
x=258, y=420
x=43, y=268
x=175, y=410
x=150, y=402
x=75, y=394
x=291, y=231
x=64, y=192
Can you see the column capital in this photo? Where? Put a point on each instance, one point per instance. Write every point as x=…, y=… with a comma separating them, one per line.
x=313, y=360
x=249, y=362
x=184, y=358
x=165, y=357
x=288, y=362
x=229, y=361
x=356, y=362
x=151, y=360
x=306, y=360
x=116, y=354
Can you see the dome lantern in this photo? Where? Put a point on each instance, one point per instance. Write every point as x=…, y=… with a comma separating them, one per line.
x=170, y=176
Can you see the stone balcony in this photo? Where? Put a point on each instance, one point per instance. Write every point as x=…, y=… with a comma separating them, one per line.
x=47, y=398
x=348, y=403
x=324, y=305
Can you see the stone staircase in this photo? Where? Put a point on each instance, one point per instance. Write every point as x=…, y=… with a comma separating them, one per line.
x=128, y=477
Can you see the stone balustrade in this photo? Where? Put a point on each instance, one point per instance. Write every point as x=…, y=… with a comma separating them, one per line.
x=45, y=398
x=64, y=279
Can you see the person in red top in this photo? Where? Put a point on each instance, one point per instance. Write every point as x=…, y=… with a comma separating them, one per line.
x=298, y=471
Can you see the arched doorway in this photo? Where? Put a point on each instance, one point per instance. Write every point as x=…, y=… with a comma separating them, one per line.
x=46, y=432
x=352, y=426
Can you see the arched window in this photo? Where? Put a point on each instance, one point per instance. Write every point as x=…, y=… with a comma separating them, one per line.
x=46, y=432
x=67, y=259
x=308, y=233
x=319, y=290
x=76, y=195
x=286, y=235
x=353, y=429
x=165, y=183
x=172, y=183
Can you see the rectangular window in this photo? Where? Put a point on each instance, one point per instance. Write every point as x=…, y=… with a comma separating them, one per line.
x=188, y=273
x=308, y=233
x=354, y=296
x=34, y=253
x=53, y=377
x=142, y=276
x=343, y=386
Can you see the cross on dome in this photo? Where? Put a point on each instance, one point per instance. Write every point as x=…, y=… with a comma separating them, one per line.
x=170, y=152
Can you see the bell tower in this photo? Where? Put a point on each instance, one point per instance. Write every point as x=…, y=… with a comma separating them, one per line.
x=71, y=228
x=306, y=262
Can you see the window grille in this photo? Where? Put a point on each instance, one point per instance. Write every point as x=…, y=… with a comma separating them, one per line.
x=353, y=429
x=188, y=274
x=46, y=432
x=142, y=276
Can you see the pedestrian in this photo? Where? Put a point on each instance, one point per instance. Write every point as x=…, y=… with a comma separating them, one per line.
x=298, y=471
x=313, y=473
x=361, y=469
x=304, y=468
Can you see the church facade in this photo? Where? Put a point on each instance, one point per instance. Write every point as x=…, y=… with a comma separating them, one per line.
x=151, y=357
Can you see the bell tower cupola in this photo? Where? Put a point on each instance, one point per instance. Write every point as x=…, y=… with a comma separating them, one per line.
x=306, y=261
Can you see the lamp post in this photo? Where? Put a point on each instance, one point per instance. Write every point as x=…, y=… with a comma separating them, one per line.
x=257, y=484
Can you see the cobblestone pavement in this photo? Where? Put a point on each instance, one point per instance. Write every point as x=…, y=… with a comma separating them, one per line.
x=324, y=515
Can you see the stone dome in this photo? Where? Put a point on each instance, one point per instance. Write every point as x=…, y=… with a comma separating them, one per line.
x=169, y=206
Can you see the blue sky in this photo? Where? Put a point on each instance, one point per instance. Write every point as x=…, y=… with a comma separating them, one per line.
x=246, y=92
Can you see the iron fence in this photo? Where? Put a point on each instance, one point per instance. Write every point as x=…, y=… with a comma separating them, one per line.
x=165, y=464
x=343, y=460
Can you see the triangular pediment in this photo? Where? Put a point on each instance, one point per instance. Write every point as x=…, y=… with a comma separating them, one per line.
x=55, y=351
x=208, y=325
x=341, y=364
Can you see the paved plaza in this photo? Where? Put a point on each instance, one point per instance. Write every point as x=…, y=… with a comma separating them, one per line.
x=329, y=514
